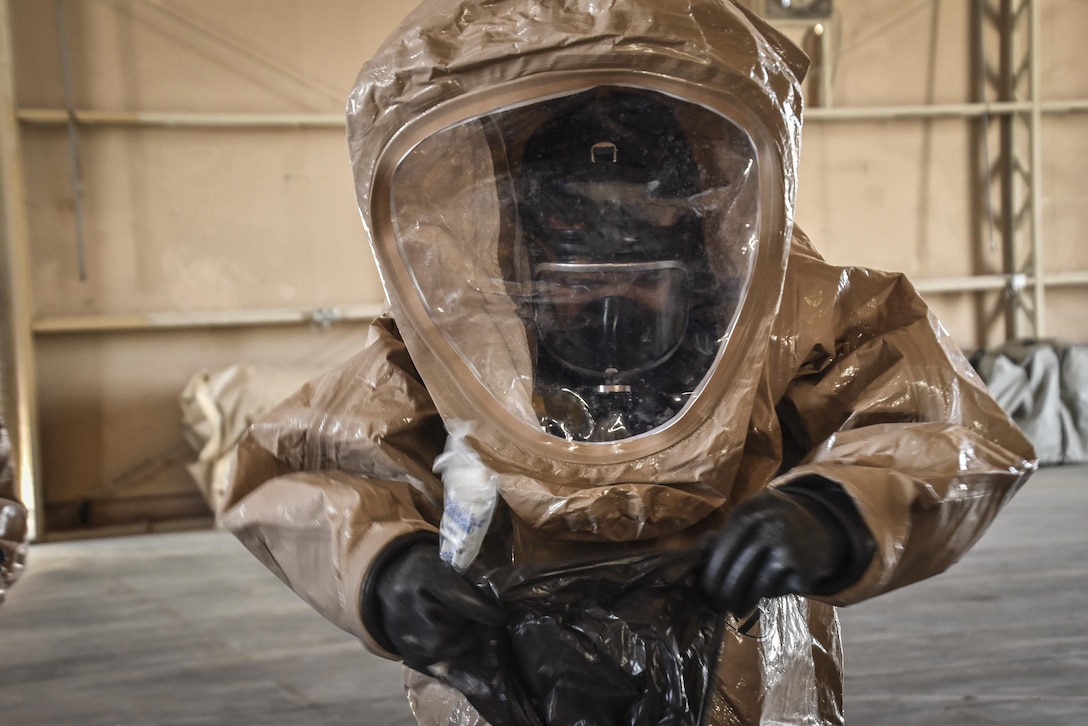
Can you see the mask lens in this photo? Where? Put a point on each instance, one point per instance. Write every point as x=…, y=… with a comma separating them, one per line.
x=611, y=320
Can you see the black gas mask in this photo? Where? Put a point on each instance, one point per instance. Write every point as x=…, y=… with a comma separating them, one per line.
x=613, y=244
x=603, y=197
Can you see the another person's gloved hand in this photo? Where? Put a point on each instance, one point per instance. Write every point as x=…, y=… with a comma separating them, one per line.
x=427, y=611
x=795, y=539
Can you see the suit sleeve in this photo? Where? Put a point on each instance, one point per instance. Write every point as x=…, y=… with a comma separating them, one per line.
x=331, y=477
x=883, y=403
x=13, y=521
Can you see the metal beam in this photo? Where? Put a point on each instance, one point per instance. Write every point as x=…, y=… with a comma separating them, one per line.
x=1020, y=164
x=1036, y=161
x=944, y=110
x=20, y=404
x=195, y=320
x=175, y=119
x=60, y=117
x=1014, y=283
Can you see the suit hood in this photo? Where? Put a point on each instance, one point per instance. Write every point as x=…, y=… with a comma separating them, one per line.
x=429, y=126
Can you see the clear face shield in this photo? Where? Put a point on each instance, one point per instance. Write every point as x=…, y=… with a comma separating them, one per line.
x=584, y=256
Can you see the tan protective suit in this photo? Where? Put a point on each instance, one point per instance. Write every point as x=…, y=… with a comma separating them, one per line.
x=13, y=525
x=837, y=372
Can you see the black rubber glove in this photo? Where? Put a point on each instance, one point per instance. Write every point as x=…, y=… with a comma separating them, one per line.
x=795, y=539
x=426, y=610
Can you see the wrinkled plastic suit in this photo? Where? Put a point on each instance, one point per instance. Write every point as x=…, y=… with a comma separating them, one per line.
x=628, y=641
x=834, y=372
x=13, y=523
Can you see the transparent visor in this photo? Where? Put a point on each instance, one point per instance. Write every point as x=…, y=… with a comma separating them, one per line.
x=580, y=259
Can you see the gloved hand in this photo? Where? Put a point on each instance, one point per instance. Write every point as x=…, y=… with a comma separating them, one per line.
x=794, y=539
x=427, y=611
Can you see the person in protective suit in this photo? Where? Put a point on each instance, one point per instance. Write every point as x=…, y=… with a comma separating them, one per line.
x=599, y=305
x=13, y=524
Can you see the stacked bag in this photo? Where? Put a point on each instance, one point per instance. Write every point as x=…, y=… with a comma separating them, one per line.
x=1043, y=385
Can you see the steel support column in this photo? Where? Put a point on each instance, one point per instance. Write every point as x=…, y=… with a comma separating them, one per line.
x=19, y=384
x=1018, y=166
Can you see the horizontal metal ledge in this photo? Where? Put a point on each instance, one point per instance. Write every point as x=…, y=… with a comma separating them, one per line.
x=135, y=528
x=982, y=283
x=136, y=322
x=939, y=110
x=121, y=322
x=56, y=117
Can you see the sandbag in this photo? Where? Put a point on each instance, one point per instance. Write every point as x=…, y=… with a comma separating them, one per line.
x=1043, y=386
x=218, y=406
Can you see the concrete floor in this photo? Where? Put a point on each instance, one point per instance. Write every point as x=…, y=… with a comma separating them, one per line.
x=190, y=629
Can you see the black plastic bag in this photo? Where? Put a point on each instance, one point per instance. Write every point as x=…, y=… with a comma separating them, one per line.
x=627, y=642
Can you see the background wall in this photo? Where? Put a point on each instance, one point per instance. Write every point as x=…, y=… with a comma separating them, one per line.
x=216, y=220
x=237, y=206
x=920, y=191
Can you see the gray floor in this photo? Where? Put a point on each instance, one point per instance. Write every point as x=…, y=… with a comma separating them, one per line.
x=189, y=629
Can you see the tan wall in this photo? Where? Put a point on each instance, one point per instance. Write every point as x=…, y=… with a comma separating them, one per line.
x=904, y=194
x=206, y=219
x=197, y=219
x=180, y=220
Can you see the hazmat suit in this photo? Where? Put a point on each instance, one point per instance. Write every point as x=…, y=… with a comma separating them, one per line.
x=13, y=524
x=605, y=338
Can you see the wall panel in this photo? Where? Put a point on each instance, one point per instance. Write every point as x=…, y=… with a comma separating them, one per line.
x=197, y=219
x=111, y=440
x=180, y=220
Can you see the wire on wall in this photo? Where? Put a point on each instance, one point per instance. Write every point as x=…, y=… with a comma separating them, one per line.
x=74, y=169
